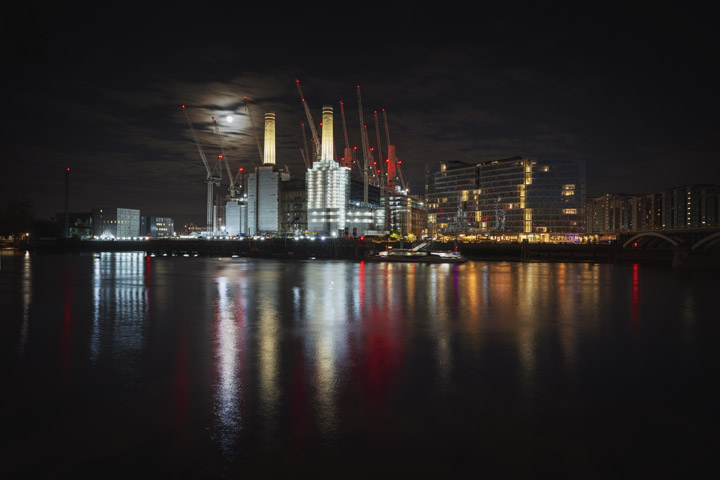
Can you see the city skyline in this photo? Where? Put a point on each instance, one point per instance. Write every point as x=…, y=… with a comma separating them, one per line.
x=630, y=94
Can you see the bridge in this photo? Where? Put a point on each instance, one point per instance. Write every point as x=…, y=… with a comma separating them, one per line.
x=689, y=246
x=705, y=240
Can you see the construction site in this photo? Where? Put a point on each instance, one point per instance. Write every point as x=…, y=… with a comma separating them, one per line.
x=352, y=191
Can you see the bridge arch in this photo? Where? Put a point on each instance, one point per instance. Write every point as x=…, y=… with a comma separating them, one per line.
x=709, y=239
x=645, y=235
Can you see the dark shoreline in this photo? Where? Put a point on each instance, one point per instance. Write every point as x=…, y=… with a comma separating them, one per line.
x=357, y=249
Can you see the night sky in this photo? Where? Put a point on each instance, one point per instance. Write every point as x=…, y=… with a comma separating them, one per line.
x=631, y=91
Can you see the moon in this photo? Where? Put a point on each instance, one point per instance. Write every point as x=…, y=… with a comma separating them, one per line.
x=229, y=118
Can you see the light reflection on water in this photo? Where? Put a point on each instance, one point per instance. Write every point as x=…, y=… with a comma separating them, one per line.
x=245, y=356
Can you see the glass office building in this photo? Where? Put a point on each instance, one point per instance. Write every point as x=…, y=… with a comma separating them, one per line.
x=521, y=197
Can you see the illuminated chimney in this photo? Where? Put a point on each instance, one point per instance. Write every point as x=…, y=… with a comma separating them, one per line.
x=327, y=134
x=269, y=155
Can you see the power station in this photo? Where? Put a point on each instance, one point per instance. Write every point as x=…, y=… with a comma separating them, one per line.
x=337, y=198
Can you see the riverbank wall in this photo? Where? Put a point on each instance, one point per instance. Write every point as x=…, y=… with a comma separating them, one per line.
x=358, y=249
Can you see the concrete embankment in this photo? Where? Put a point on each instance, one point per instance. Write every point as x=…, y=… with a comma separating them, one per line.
x=356, y=249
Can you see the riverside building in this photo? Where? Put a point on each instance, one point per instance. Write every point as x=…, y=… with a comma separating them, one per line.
x=264, y=190
x=514, y=198
x=116, y=223
x=678, y=208
x=328, y=186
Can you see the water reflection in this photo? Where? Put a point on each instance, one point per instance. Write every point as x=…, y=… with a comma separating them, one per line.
x=327, y=314
x=26, y=292
x=268, y=337
x=253, y=356
x=635, y=297
x=228, y=324
x=120, y=308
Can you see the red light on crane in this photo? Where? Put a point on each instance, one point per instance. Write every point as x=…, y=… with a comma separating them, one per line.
x=241, y=169
x=67, y=169
x=220, y=156
x=182, y=106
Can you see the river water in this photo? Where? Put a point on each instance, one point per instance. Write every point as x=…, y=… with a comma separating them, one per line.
x=119, y=364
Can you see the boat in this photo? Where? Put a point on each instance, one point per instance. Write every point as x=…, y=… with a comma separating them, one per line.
x=419, y=255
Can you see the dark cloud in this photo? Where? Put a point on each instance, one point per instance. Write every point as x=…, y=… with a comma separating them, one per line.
x=631, y=92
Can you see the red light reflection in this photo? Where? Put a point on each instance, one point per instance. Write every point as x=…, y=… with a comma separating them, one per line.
x=635, y=298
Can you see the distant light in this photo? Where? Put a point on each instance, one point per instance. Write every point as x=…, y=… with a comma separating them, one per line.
x=229, y=118
x=220, y=156
x=67, y=169
x=183, y=106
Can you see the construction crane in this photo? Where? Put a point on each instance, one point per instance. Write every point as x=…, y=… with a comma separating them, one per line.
x=254, y=130
x=214, y=175
x=305, y=153
x=371, y=150
x=393, y=163
x=233, y=189
x=239, y=178
x=379, y=144
x=313, y=130
x=348, y=151
x=366, y=154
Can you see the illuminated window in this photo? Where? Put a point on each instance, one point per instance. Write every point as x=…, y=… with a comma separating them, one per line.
x=570, y=211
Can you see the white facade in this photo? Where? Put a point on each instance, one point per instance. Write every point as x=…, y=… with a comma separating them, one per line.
x=116, y=222
x=328, y=186
x=236, y=217
x=364, y=221
x=328, y=193
x=264, y=199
